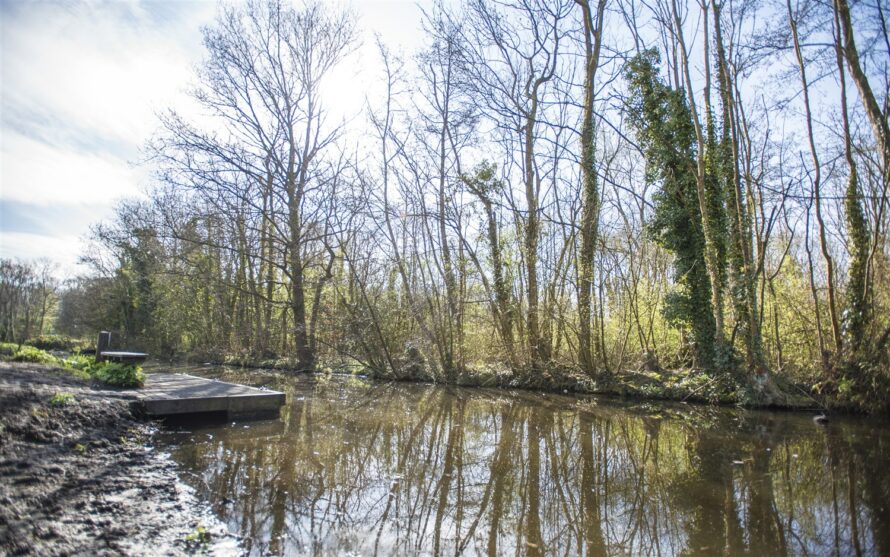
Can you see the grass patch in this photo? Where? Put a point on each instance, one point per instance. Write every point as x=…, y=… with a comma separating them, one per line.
x=85, y=367
x=62, y=399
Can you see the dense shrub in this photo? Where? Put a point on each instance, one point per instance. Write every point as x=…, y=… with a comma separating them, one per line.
x=8, y=348
x=112, y=373
x=118, y=375
x=34, y=355
x=55, y=342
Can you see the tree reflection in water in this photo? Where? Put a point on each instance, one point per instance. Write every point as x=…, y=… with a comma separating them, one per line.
x=412, y=469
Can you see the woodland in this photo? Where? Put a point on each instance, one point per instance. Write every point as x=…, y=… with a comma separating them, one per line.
x=653, y=197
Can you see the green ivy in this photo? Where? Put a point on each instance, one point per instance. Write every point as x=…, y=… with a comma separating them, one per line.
x=663, y=124
x=858, y=311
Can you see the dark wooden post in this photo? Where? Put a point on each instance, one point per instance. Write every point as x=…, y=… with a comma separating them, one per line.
x=103, y=344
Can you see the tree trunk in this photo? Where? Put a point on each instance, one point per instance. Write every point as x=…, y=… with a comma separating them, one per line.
x=744, y=287
x=589, y=187
x=817, y=185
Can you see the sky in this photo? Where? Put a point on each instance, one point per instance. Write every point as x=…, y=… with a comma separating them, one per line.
x=82, y=83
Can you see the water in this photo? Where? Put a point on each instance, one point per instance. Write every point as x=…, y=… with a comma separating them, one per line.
x=362, y=468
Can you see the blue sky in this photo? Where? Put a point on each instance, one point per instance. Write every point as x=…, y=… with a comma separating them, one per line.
x=82, y=83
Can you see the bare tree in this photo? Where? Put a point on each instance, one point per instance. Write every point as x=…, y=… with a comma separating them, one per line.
x=261, y=81
x=512, y=54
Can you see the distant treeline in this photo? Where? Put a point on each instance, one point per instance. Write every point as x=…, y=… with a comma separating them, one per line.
x=28, y=299
x=545, y=187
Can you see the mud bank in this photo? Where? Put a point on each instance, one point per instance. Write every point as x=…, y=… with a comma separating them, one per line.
x=78, y=475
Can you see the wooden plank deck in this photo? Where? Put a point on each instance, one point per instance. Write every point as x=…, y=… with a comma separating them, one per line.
x=170, y=394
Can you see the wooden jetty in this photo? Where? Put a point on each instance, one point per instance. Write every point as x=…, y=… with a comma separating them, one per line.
x=172, y=394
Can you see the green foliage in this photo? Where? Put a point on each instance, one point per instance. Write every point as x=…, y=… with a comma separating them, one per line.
x=54, y=342
x=8, y=348
x=861, y=386
x=857, y=314
x=112, y=373
x=34, y=355
x=199, y=536
x=62, y=399
x=79, y=365
x=686, y=385
x=85, y=367
x=79, y=362
x=665, y=131
x=118, y=375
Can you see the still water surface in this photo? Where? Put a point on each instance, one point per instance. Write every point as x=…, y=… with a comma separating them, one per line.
x=364, y=468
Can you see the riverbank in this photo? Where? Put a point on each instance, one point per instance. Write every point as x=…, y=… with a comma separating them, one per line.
x=683, y=385
x=78, y=475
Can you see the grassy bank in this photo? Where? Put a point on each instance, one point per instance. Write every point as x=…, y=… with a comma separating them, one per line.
x=79, y=365
x=684, y=385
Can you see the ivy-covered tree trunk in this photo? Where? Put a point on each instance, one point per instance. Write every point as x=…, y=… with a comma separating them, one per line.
x=593, y=25
x=537, y=350
x=295, y=188
x=858, y=312
x=482, y=184
x=664, y=127
x=740, y=254
x=710, y=230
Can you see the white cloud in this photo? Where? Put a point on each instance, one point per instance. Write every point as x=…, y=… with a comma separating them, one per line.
x=100, y=69
x=81, y=85
x=63, y=250
x=41, y=174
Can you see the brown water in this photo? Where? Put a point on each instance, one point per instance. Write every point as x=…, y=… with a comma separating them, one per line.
x=362, y=468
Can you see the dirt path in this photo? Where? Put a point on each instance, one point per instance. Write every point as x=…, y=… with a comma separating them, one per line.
x=77, y=476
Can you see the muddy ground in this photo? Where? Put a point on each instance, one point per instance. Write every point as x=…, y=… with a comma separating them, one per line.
x=78, y=475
